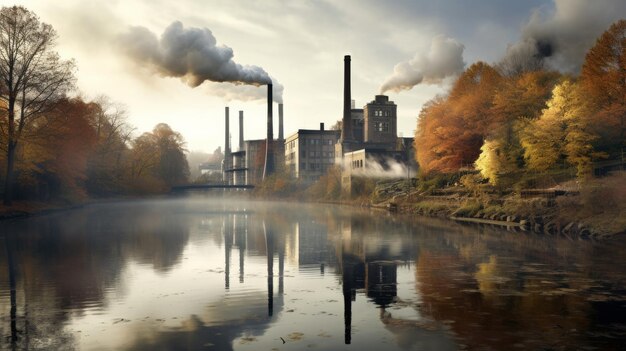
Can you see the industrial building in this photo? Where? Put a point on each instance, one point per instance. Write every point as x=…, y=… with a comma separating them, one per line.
x=254, y=160
x=369, y=140
x=309, y=153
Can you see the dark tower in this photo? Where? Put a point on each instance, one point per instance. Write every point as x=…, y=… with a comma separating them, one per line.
x=240, y=130
x=280, y=122
x=227, y=157
x=269, y=142
x=346, y=129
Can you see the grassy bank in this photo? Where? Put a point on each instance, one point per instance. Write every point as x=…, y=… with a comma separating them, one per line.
x=596, y=209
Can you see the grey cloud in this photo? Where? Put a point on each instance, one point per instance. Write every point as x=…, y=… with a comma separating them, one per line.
x=444, y=59
x=559, y=40
x=191, y=54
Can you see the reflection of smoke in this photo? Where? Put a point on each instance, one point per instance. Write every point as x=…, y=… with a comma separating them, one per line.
x=445, y=59
x=382, y=168
x=191, y=54
x=230, y=92
x=560, y=40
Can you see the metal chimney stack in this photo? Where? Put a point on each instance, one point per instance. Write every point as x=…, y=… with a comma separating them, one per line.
x=226, y=132
x=227, y=157
x=280, y=122
x=240, y=130
x=269, y=149
x=346, y=129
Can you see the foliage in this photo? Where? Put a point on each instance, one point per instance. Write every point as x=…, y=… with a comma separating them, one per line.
x=158, y=158
x=517, y=119
x=493, y=161
x=562, y=133
x=451, y=130
x=33, y=79
x=328, y=187
x=603, y=80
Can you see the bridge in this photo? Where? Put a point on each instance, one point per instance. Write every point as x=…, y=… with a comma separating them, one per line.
x=210, y=186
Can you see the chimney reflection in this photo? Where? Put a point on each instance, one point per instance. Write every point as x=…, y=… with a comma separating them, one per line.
x=241, y=237
x=269, y=244
x=228, y=245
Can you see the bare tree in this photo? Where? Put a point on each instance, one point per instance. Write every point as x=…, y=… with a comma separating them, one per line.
x=32, y=78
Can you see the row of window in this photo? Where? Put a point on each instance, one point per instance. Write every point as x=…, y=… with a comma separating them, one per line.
x=381, y=113
x=327, y=154
x=381, y=126
x=292, y=144
x=315, y=166
x=321, y=142
x=357, y=164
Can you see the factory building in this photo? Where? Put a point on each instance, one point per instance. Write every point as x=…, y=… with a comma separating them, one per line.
x=251, y=162
x=369, y=140
x=309, y=153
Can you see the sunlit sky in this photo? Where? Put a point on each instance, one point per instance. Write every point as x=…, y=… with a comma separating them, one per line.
x=299, y=43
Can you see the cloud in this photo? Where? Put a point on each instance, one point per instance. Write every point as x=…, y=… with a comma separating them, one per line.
x=444, y=59
x=560, y=40
x=191, y=54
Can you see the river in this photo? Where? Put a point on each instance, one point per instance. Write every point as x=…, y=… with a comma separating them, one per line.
x=214, y=274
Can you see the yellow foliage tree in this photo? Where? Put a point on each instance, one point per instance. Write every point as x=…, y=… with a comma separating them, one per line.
x=493, y=161
x=561, y=133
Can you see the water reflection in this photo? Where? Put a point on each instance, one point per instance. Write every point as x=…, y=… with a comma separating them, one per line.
x=193, y=274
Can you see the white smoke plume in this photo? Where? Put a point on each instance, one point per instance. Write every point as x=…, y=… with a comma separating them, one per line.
x=381, y=168
x=561, y=39
x=230, y=92
x=191, y=54
x=444, y=59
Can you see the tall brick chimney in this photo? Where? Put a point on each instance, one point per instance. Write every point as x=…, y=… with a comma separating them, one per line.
x=280, y=122
x=346, y=129
x=269, y=142
x=240, y=130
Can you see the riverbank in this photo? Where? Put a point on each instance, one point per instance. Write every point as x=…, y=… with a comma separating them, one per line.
x=25, y=209
x=597, y=211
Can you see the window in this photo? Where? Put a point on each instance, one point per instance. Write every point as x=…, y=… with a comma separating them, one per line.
x=381, y=126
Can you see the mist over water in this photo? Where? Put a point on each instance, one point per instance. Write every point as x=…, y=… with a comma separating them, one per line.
x=212, y=273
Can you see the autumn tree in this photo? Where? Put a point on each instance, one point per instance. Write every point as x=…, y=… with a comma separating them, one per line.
x=562, y=133
x=53, y=165
x=157, y=160
x=451, y=130
x=494, y=161
x=32, y=79
x=105, y=169
x=603, y=79
x=172, y=167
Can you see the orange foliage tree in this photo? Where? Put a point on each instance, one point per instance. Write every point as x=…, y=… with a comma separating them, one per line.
x=603, y=79
x=451, y=130
x=54, y=163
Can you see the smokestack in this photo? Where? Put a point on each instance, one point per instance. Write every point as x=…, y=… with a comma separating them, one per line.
x=322, y=126
x=280, y=122
x=269, y=150
x=226, y=133
x=240, y=130
x=346, y=129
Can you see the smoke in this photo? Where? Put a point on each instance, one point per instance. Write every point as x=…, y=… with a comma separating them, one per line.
x=230, y=92
x=444, y=59
x=376, y=167
x=192, y=54
x=561, y=39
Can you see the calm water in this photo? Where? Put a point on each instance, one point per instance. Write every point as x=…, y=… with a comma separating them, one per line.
x=208, y=274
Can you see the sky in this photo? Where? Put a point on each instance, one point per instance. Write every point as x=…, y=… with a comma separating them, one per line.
x=300, y=45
